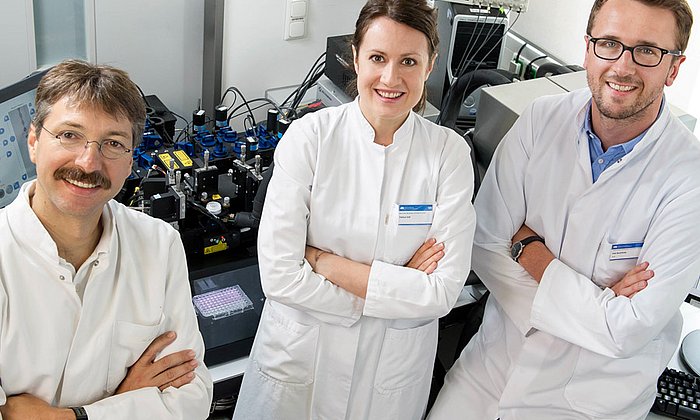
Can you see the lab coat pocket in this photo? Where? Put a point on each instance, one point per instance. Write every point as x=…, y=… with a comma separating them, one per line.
x=406, y=358
x=594, y=385
x=129, y=341
x=607, y=271
x=285, y=350
x=403, y=238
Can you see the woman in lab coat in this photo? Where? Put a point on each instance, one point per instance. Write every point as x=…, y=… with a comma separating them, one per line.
x=365, y=240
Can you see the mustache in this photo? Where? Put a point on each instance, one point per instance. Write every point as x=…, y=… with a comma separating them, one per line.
x=76, y=174
x=628, y=80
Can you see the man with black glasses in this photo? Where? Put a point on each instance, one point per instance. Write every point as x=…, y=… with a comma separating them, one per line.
x=587, y=232
x=96, y=318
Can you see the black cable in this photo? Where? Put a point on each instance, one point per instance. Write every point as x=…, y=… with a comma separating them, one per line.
x=247, y=120
x=180, y=117
x=245, y=102
x=528, y=68
x=520, y=51
x=464, y=63
x=304, y=88
x=235, y=97
x=467, y=55
x=185, y=130
x=493, y=28
x=313, y=66
x=450, y=90
x=266, y=100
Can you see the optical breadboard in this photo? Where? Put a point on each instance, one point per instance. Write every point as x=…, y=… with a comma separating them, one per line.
x=515, y=5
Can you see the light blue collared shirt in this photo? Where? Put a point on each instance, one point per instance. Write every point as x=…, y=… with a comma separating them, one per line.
x=600, y=160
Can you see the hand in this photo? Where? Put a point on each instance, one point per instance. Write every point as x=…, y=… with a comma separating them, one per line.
x=312, y=255
x=174, y=370
x=29, y=407
x=427, y=256
x=634, y=281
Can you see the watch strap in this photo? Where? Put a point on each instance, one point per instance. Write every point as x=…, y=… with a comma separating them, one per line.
x=520, y=246
x=80, y=413
x=531, y=239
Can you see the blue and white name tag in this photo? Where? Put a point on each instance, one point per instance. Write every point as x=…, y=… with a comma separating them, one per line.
x=626, y=251
x=415, y=214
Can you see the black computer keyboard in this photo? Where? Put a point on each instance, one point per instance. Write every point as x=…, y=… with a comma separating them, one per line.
x=677, y=395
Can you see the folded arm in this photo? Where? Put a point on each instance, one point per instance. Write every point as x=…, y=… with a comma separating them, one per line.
x=397, y=292
x=607, y=321
x=189, y=401
x=286, y=276
x=353, y=276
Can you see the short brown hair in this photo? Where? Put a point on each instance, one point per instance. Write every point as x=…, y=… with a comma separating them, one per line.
x=86, y=84
x=680, y=9
x=413, y=13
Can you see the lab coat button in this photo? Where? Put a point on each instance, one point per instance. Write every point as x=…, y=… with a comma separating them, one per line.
x=96, y=263
x=62, y=277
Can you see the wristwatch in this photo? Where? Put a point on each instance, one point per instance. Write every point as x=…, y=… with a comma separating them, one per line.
x=80, y=413
x=517, y=248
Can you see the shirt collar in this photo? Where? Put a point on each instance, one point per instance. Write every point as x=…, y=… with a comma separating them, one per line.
x=32, y=233
x=626, y=146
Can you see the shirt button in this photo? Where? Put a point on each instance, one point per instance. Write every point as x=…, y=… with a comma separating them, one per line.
x=96, y=263
x=62, y=277
x=601, y=161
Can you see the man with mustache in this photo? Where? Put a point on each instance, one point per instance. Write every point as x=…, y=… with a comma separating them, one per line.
x=93, y=294
x=587, y=232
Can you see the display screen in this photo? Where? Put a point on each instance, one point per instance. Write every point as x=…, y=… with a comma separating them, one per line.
x=16, y=114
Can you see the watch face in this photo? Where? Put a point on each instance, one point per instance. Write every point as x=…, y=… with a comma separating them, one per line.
x=515, y=250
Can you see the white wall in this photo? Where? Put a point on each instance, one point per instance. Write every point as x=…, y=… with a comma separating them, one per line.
x=160, y=44
x=559, y=26
x=14, y=42
x=257, y=58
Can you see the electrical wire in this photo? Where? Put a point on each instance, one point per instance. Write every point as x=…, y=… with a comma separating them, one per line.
x=520, y=51
x=493, y=28
x=311, y=70
x=267, y=101
x=528, y=68
x=318, y=72
x=235, y=97
x=450, y=91
x=236, y=91
x=468, y=57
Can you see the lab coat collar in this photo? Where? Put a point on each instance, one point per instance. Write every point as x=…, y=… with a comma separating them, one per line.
x=30, y=233
x=401, y=136
x=583, y=96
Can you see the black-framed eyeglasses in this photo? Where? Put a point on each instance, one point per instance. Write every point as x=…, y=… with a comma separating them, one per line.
x=74, y=141
x=644, y=55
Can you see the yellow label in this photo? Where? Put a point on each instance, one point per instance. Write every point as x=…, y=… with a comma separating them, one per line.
x=166, y=158
x=216, y=197
x=183, y=158
x=221, y=246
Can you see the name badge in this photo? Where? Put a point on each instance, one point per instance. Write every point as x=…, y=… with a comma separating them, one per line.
x=415, y=214
x=626, y=251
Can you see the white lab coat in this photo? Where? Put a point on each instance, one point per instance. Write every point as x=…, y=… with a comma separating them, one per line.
x=321, y=352
x=68, y=338
x=568, y=348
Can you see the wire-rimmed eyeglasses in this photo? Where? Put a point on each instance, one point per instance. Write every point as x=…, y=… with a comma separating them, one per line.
x=644, y=55
x=73, y=141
